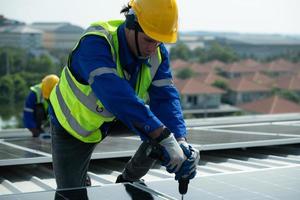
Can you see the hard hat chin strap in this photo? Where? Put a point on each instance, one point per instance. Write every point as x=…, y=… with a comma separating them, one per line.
x=139, y=55
x=136, y=34
x=131, y=23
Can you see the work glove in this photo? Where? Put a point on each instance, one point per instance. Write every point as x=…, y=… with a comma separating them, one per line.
x=188, y=169
x=173, y=156
x=35, y=132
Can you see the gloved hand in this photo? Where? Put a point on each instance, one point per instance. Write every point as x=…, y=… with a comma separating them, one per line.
x=35, y=132
x=188, y=169
x=173, y=156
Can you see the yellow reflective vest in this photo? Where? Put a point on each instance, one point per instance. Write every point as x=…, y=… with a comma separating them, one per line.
x=37, y=89
x=75, y=105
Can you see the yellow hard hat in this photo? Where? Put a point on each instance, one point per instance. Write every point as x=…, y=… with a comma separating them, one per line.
x=158, y=18
x=48, y=84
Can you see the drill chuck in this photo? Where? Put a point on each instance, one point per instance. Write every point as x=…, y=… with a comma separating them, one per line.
x=183, y=185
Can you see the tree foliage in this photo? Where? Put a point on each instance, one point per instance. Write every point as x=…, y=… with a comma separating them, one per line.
x=181, y=51
x=214, y=52
x=185, y=73
x=290, y=95
x=220, y=84
x=20, y=69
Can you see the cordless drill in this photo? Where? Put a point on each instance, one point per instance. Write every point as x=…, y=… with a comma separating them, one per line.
x=155, y=151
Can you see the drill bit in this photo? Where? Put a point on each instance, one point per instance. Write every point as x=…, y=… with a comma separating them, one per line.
x=183, y=186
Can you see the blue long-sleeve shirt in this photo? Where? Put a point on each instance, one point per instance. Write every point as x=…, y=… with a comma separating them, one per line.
x=118, y=95
x=29, y=120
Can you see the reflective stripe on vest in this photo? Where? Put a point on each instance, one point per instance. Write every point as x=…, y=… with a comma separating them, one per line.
x=37, y=89
x=163, y=82
x=75, y=105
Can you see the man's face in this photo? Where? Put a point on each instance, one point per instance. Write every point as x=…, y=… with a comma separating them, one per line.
x=147, y=45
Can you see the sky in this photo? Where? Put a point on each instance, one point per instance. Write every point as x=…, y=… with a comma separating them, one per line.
x=244, y=16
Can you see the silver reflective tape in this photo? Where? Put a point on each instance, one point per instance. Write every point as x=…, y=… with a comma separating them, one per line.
x=162, y=82
x=67, y=113
x=94, y=28
x=105, y=32
x=28, y=110
x=154, y=62
x=100, y=71
x=88, y=101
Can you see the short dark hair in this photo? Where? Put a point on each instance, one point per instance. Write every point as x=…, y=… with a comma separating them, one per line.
x=125, y=9
x=131, y=21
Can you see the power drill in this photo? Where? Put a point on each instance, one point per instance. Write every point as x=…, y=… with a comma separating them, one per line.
x=155, y=151
x=183, y=186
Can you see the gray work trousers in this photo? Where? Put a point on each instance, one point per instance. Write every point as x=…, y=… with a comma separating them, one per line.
x=71, y=159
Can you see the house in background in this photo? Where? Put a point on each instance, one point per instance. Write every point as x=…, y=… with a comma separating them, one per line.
x=211, y=78
x=59, y=36
x=239, y=69
x=20, y=36
x=242, y=90
x=271, y=105
x=279, y=67
x=197, y=95
x=289, y=82
x=179, y=64
x=261, y=79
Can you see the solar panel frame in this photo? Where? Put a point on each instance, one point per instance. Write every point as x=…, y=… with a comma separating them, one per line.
x=235, y=140
x=277, y=183
x=203, y=138
x=272, y=128
x=126, y=191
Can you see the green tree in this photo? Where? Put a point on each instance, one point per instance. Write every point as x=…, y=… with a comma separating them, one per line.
x=20, y=88
x=42, y=64
x=180, y=51
x=185, y=73
x=6, y=90
x=290, y=95
x=6, y=96
x=222, y=53
x=220, y=84
x=12, y=60
x=200, y=54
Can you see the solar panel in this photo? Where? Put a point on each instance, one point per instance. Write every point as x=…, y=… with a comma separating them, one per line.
x=218, y=139
x=7, y=152
x=278, y=129
x=206, y=139
x=277, y=183
x=43, y=145
x=27, y=148
x=112, y=147
x=13, y=156
x=109, y=192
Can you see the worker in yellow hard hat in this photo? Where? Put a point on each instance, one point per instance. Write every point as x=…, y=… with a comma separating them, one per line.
x=36, y=105
x=111, y=71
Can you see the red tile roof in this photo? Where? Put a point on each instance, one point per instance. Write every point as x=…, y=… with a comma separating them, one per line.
x=215, y=64
x=179, y=64
x=288, y=82
x=211, y=78
x=260, y=79
x=244, y=85
x=247, y=65
x=194, y=86
x=280, y=65
x=201, y=69
x=271, y=105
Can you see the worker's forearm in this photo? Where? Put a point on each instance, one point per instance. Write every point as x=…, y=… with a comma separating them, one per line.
x=154, y=134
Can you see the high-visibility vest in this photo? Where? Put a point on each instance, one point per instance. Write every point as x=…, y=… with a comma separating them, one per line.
x=37, y=89
x=75, y=105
